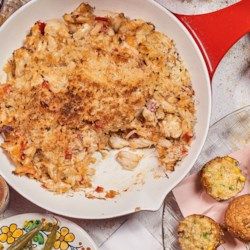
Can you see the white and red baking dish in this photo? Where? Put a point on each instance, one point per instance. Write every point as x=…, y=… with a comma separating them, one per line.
x=201, y=60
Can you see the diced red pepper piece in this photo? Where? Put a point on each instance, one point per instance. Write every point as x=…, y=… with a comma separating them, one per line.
x=184, y=151
x=99, y=189
x=23, y=145
x=99, y=124
x=41, y=26
x=68, y=154
x=187, y=137
x=111, y=194
x=102, y=19
x=22, y=148
x=45, y=84
x=7, y=88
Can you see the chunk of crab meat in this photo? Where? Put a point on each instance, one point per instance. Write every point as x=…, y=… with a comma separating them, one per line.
x=52, y=171
x=56, y=27
x=116, y=142
x=84, y=8
x=128, y=160
x=117, y=21
x=81, y=33
x=52, y=45
x=165, y=143
x=171, y=126
x=140, y=143
x=167, y=107
x=21, y=59
x=59, y=187
x=73, y=180
x=131, y=133
x=148, y=115
x=97, y=29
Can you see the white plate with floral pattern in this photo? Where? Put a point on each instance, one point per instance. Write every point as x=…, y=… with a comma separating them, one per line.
x=69, y=235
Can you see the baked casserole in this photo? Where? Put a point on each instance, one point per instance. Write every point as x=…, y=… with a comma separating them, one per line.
x=86, y=83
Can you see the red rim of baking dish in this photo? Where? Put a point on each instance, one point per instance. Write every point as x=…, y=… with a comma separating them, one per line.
x=216, y=32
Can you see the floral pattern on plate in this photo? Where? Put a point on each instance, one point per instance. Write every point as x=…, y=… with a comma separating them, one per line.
x=69, y=236
x=10, y=233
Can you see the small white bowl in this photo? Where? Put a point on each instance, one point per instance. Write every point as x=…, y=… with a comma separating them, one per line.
x=4, y=195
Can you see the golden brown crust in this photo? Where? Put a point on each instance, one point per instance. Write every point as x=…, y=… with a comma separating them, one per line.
x=237, y=217
x=199, y=232
x=222, y=178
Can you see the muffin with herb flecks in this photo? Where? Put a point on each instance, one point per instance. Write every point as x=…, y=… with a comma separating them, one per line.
x=222, y=178
x=199, y=232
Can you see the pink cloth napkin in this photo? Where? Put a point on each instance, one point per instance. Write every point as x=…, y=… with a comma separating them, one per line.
x=193, y=200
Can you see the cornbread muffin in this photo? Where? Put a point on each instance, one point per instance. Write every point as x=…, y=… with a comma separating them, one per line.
x=222, y=178
x=87, y=83
x=199, y=232
x=237, y=217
